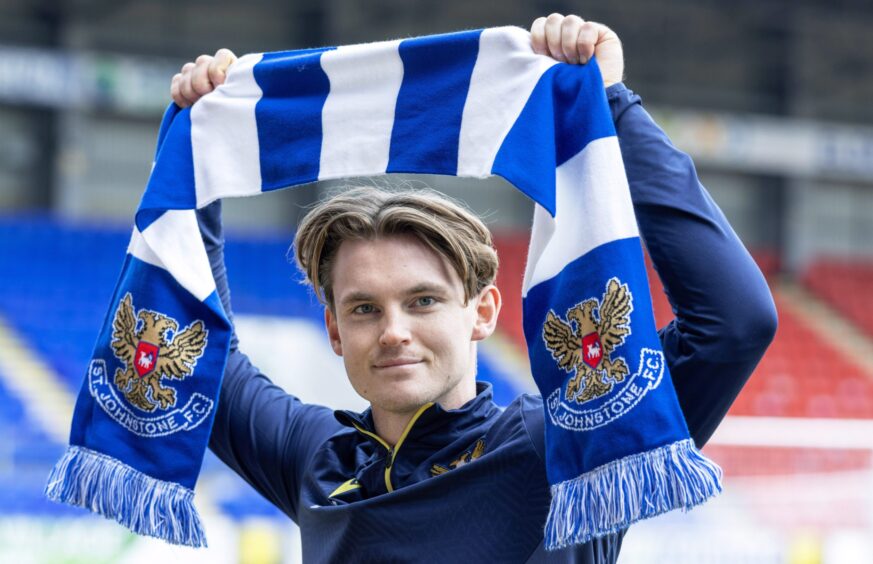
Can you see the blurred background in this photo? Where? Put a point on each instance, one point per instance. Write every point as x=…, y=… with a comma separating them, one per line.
x=772, y=98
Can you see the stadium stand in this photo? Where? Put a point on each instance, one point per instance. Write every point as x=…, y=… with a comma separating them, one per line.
x=24, y=447
x=802, y=374
x=23, y=442
x=56, y=279
x=805, y=376
x=846, y=285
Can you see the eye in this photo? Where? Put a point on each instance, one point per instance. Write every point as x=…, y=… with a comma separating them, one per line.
x=364, y=309
x=425, y=301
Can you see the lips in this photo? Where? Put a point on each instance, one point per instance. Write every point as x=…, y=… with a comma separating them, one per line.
x=390, y=363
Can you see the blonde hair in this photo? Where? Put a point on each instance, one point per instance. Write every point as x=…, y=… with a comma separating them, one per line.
x=366, y=213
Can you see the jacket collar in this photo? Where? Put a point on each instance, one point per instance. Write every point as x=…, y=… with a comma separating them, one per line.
x=435, y=426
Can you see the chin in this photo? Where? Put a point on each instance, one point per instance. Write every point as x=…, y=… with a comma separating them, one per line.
x=403, y=398
x=400, y=389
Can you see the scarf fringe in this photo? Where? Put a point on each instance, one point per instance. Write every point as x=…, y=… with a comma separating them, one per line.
x=614, y=496
x=146, y=506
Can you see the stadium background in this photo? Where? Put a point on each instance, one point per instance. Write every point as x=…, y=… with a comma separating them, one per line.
x=771, y=98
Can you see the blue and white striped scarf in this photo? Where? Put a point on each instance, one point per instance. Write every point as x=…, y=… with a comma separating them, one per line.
x=471, y=104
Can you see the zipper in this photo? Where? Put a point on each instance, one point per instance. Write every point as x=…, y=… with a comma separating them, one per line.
x=391, y=452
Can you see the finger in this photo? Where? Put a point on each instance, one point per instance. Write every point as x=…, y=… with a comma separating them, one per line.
x=569, y=33
x=538, y=36
x=586, y=41
x=176, y=86
x=187, y=67
x=609, y=54
x=219, y=65
x=605, y=36
x=200, y=76
x=185, y=87
x=553, y=36
x=175, y=93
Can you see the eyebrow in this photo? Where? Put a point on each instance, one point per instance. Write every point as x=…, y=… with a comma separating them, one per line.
x=426, y=288
x=422, y=288
x=356, y=297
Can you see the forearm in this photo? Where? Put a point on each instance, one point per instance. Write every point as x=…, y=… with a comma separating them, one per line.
x=725, y=316
x=253, y=447
x=212, y=233
x=266, y=435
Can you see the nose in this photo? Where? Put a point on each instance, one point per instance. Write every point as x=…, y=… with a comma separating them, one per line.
x=394, y=330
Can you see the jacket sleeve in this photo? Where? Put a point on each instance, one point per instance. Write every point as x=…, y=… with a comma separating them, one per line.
x=264, y=434
x=725, y=315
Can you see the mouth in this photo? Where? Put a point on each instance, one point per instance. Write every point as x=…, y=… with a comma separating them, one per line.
x=394, y=362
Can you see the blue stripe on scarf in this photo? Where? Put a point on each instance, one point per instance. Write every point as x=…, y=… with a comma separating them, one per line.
x=427, y=123
x=561, y=101
x=289, y=117
x=171, y=183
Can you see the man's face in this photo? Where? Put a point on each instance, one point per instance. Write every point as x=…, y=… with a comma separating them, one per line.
x=400, y=323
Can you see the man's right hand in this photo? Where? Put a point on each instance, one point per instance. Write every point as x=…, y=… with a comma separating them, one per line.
x=570, y=39
x=199, y=78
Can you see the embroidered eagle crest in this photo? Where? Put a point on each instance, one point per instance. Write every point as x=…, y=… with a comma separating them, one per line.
x=465, y=458
x=150, y=354
x=586, y=343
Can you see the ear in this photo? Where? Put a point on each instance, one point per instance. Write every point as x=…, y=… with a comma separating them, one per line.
x=487, y=309
x=333, y=331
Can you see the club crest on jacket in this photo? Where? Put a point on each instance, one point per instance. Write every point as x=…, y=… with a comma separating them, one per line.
x=465, y=458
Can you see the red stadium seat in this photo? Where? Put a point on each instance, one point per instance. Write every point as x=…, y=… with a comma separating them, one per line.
x=846, y=285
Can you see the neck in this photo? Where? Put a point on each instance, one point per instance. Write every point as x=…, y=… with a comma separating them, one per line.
x=391, y=426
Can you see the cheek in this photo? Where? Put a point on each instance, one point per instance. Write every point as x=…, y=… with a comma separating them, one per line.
x=357, y=375
x=354, y=335
x=355, y=352
x=355, y=349
x=449, y=338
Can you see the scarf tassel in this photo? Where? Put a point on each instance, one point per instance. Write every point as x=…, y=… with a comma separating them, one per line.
x=146, y=506
x=614, y=496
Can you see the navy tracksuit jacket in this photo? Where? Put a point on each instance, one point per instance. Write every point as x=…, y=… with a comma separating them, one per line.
x=469, y=485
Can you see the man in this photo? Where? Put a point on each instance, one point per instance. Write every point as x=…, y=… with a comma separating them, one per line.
x=434, y=470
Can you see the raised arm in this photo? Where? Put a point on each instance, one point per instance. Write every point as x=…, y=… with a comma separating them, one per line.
x=264, y=434
x=725, y=316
